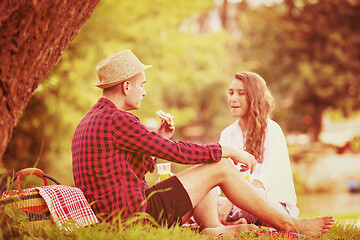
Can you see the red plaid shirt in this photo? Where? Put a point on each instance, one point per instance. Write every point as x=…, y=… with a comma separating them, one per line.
x=111, y=152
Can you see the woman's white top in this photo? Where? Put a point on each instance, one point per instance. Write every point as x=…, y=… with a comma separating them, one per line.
x=275, y=171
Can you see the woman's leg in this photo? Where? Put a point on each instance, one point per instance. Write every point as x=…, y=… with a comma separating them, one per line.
x=198, y=182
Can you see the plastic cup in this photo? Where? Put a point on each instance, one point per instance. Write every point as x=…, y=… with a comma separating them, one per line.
x=164, y=170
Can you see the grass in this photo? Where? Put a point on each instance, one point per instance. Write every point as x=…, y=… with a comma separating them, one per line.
x=14, y=225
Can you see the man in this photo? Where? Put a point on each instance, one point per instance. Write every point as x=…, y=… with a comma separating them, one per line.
x=112, y=151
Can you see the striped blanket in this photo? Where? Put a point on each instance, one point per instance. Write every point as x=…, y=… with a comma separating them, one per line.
x=66, y=204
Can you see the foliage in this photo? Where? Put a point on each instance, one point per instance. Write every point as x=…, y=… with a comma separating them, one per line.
x=308, y=51
x=181, y=58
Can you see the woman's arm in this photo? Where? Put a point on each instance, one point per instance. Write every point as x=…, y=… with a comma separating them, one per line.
x=239, y=156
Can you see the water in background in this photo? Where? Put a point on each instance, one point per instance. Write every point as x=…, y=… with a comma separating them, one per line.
x=336, y=204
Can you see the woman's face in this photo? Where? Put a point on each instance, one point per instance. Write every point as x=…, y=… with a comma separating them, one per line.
x=237, y=99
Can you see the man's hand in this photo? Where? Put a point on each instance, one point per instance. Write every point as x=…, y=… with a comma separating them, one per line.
x=246, y=160
x=166, y=128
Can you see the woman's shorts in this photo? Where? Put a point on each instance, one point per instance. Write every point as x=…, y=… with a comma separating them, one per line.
x=168, y=202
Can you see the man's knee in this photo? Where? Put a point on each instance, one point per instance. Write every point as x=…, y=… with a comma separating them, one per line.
x=224, y=166
x=216, y=171
x=226, y=163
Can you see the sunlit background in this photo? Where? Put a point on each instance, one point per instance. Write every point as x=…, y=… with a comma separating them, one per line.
x=308, y=51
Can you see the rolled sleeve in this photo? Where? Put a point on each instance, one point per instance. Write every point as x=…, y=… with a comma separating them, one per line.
x=215, y=151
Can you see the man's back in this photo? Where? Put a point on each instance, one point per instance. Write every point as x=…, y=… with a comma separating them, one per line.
x=101, y=170
x=112, y=153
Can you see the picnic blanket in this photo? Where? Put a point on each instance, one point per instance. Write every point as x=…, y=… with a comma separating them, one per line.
x=67, y=204
x=267, y=231
x=273, y=232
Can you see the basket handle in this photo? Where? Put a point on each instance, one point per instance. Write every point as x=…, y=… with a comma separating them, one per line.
x=26, y=172
x=29, y=171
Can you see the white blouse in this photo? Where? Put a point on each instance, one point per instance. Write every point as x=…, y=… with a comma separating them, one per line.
x=275, y=171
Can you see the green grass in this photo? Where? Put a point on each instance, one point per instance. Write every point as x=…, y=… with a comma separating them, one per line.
x=14, y=225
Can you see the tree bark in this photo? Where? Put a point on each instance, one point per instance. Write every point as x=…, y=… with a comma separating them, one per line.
x=33, y=35
x=317, y=124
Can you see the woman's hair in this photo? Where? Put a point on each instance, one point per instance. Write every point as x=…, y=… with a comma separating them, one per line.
x=261, y=104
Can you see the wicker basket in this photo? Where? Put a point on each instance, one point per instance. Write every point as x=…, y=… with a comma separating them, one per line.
x=28, y=200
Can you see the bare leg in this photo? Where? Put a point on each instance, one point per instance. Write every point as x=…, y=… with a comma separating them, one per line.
x=198, y=181
x=206, y=215
x=206, y=212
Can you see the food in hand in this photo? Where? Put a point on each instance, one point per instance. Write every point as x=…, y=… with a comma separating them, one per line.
x=166, y=116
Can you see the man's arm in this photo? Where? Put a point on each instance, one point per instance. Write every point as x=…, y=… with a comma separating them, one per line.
x=130, y=134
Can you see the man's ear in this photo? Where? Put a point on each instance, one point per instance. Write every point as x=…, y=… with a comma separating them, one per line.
x=126, y=87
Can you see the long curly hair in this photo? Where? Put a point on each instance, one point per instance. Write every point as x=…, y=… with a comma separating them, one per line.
x=261, y=105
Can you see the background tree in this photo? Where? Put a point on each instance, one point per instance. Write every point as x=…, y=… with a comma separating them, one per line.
x=195, y=47
x=184, y=81
x=328, y=58
x=33, y=34
x=309, y=52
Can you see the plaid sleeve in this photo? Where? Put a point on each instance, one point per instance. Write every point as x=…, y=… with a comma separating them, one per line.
x=149, y=163
x=131, y=135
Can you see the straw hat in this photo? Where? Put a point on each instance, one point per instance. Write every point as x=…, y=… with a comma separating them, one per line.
x=117, y=68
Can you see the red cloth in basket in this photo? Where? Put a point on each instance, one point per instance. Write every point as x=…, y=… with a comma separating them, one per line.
x=67, y=203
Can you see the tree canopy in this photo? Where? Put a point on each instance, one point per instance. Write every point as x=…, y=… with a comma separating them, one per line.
x=307, y=51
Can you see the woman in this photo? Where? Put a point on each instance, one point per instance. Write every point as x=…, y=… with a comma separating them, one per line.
x=251, y=102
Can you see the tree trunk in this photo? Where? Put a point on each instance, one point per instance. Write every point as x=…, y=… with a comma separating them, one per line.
x=33, y=35
x=224, y=14
x=317, y=123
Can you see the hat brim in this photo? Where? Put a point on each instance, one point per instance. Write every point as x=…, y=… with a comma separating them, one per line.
x=116, y=82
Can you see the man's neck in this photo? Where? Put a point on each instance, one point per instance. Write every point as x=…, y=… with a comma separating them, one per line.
x=116, y=100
